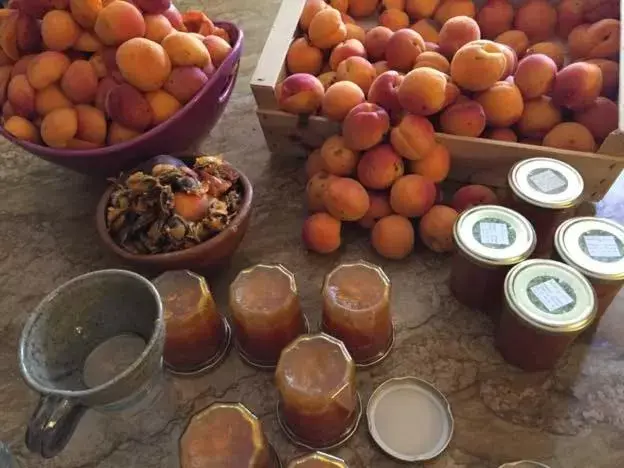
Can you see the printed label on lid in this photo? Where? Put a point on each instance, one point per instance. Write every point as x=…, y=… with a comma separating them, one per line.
x=551, y=295
x=602, y=246
x=494, y=233
x=548, y=181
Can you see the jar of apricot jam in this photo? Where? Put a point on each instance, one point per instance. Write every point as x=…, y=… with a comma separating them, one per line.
x=226, y=435
x=547, y=305
x=489, y=240
x=547, y=192
x=197, y=336
x=356, y=310
x=595, y=247
x=319, y=407
x=266, y=313
x=317, y=460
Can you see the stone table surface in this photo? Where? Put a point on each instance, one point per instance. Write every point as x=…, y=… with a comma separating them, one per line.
x=572, y=417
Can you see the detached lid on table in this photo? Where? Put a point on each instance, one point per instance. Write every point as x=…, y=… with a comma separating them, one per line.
x=595, y=246
x=494, y=235
x=547, y=183
x=317, y=460
x=550, y=296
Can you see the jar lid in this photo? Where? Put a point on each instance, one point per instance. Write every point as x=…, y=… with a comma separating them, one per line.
x=595, y=246
x=545, y=182
x=550, y=295
x=494, y=235
x=524, y=464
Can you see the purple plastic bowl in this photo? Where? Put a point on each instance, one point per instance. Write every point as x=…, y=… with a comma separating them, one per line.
x=178, y=134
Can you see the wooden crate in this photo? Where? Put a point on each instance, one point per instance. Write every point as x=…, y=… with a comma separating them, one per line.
x=474, y=160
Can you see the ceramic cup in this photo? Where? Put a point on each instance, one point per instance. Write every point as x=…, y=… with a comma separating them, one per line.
x=62, y=352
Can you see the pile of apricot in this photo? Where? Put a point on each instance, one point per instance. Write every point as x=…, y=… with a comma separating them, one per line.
x=538, y=73
x=82, y=74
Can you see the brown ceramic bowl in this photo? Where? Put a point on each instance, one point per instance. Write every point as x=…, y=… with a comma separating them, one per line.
x=202, y=258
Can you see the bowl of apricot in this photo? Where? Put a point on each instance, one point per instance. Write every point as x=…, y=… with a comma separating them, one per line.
x=86, y=93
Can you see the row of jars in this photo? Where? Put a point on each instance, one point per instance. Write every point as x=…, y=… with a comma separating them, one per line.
x=577, y=267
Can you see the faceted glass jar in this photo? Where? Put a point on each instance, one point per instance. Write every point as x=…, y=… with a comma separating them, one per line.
x=226, y=435
x=317, y=460
x=489, y=240
x=195, y=331
x=547, y=192
x=315, y=378
x=595, y=247
x=547, y=305
x=356, y=310
x=265, y=312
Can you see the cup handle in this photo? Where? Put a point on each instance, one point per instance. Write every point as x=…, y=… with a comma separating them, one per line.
x=52, y=425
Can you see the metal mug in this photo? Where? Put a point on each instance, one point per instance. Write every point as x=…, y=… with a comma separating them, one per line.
x=60, y=336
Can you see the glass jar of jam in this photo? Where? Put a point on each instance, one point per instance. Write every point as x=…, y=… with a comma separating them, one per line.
x=489, y=240
x=197, y=336
x=547, y=305
x=319, y=407
x=595, y=247
x=317, y=460
x=266, y=313
x=356, y=310
x=547, y=192
x=226, y=435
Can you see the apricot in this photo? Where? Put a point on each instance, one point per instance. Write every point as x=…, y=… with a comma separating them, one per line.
x=7, y=110
x=362, y=8
x=601, y=118
x=340, y=98
x=384, y=92
x=577, y=86
x=517, y=40
x=300, y=94
x=610, y=76
x=175, y=18
x=537, y=19
x=376, y=42
x=314, y=163
x=511, y=60
x=433, y=60
x=453, y=94
x=190, y=206
x=435, y=166
x=379, y=208
x=59, y=126
x=464, y=119
x=346, y=199
x=412, y=195
x=495, y=17
x=127, y=106
x=163, y=105
x=104, y=86
x=340, y=5
x=146, y=65
x=302, y=57
x=59, y=31
x=502, y=103
x=28, y=34
x=451, y=8
x=8, y=34
x=310, y=9
x=598, y=40
x=389, y=4
x=218, y=49
x=22, y=129
x=356, y=32
x=79, y=83
x=21, y=96
x=554, y=50
x=394, y=19
x=381, y=67
x=423, y=91
x=357, y=70
x=87, y=42
x=403, y=49
x=432, y=47
x=344, y=50
x=570, y=136
x=327, y=29
x=117, y=133
x=338, y=159
x=183, y=49
x=502, y=134
x=91, y=124
x=569, y=16
x=85, y=12
x=436, y=228
x=413, y=138
x=595, y=10
x=427, y=29
x=365, y=126
x=153, y=6
x=379, y=167
x=477, y=66
x=49, y=99
x=470, y=196
x=315, y=188
x=185, y=82
x=539, y=116
x=456, y=32
x=109, y=20
x=535, y=75
x=393, y=237
x=329, y=78
x=321, y=233
x=21, y=66
x=5, y=77
x=157, y=27
x=421, y=8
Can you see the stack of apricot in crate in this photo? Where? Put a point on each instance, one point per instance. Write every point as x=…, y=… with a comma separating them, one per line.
x=537, y=73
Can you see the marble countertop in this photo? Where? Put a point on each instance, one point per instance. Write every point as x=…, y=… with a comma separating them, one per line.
x=572, y=417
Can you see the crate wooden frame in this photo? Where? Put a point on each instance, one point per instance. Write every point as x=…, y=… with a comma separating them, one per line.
x=474, y=160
